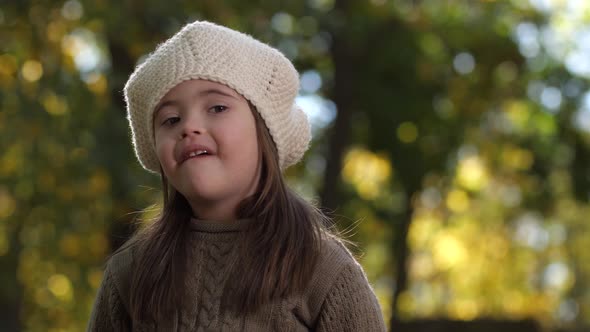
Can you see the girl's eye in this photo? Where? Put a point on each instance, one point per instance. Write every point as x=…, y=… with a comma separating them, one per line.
x=218, y=108
x=170, y=121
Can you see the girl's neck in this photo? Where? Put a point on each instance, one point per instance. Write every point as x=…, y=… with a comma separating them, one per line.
x=222, y=210
x=213, y=227
x=221, y=213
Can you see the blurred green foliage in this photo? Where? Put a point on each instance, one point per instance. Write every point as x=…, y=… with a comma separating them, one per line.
x=459, y=151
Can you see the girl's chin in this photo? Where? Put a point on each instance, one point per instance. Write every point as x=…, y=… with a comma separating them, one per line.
x=204, y=194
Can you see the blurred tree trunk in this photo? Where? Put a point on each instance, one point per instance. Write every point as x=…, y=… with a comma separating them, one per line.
x=121, y=229
x=12, y=290
x=343, y=95
x=400, y=252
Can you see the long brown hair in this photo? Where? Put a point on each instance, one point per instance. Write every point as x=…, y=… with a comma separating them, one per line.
x=280, y=248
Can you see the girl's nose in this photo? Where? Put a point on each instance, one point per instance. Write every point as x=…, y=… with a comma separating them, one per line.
x=187, y=133
x=192, y=127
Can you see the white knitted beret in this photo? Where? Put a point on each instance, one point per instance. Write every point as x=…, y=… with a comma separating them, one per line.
x=203, y=50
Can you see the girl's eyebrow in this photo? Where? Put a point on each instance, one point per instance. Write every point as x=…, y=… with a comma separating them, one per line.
x=215, y=91
x=203, y=93
x=164, y=104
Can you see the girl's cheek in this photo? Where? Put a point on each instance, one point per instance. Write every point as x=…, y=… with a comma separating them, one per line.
x=160, y=139
x=160, y=147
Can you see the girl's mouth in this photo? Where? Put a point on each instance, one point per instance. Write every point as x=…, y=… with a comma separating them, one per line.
x=198, y=153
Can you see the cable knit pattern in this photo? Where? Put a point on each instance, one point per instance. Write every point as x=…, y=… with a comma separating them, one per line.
x=203, y=50
x=215, y=275
x=195, y=269
x=339, y=297
x=108, y=313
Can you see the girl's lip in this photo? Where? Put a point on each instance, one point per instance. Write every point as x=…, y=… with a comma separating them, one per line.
x=186, y=152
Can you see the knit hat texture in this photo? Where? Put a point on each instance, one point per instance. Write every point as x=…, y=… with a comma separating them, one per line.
x=204, y=50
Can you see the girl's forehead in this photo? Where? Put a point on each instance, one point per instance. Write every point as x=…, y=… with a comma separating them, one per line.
x=201, y=84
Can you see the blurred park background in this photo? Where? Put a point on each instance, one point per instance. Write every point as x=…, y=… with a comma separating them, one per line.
x=451, y=140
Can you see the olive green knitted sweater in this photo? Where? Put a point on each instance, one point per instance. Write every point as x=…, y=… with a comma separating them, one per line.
x=339, y=297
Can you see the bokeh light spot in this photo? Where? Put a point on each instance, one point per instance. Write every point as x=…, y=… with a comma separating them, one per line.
x=457, y=200
x=367, y=172
x=72, y=10
x=60, y=286
x=464, y=63
x=407, y=132
x=32, y=70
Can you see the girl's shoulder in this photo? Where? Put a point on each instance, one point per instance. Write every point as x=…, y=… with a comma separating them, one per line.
x=122, y=257
x=334, y=261
x=334, y=252
x=334, y=257
x=120, y=266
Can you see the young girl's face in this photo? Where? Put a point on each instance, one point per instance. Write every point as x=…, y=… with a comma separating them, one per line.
x=206, y=142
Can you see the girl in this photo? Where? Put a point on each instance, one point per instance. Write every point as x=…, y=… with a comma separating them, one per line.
x=234, y=249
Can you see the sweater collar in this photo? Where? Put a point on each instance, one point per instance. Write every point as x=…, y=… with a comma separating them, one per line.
x=211, y=226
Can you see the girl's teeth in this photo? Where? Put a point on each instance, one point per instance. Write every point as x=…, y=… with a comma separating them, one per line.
x=197, y=153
